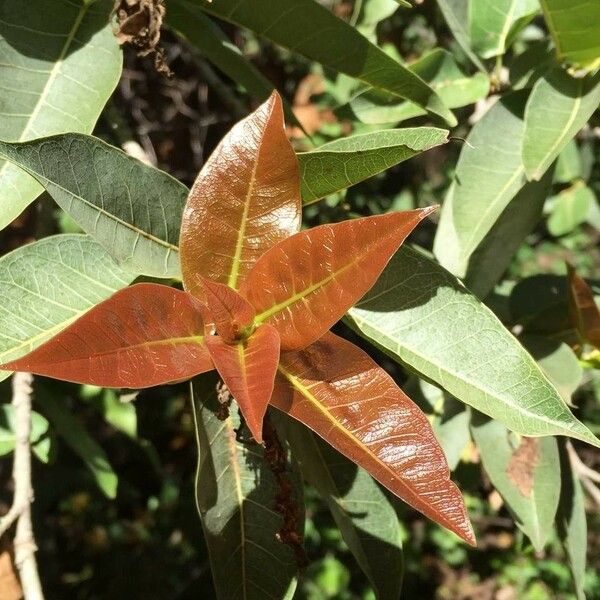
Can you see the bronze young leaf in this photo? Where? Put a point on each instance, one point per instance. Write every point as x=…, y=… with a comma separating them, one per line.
x=240, y=232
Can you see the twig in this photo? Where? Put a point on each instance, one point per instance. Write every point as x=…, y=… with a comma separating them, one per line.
x=20, y=511
x=587, y=476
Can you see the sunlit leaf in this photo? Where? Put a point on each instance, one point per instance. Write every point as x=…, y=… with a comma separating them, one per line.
x=422, y=316
x=306, y=283
x=245, y=200
x=38, y=437
x=340, y=393
x=311, y=30
x=47, y=285
x=59, y=64
x=364, y=514
x=570, y=208
x=248, y=369
x=575, y=29
x=142, y=336
x=132, y=209
x=237, y=496
x=526, y=472
x=344, y=162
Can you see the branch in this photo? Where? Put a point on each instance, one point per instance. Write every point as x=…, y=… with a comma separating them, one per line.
x=20, y=511
x=588, y=477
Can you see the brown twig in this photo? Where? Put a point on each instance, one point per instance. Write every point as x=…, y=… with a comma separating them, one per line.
x=20, y=511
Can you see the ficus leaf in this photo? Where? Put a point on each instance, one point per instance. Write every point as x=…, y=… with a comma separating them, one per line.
x=245, y=199
x=248, y=369
x=340, y=393
x=132, y=209
x=142, y=336
x=59, y=64
x=306, y=283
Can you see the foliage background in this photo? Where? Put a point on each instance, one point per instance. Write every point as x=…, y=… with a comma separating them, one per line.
x=147, y=542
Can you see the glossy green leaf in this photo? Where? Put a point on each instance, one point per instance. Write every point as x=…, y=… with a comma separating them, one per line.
x=132, y=209
x=70, y=429
x=236, y=493
x=422, y=316
x=59, y=64
x=570, y=208
x=339, y=164
x=575, y=29
x=38, y=437
x=311, y=30
x=47, y=285
x=440, y=70
x=456, y=13
x=525, y=471
x=571, y=522
x=491, y=22
x=558, y=107
x=362, y=511
x=483, y=187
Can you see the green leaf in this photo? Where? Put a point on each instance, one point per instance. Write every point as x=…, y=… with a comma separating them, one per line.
x=483, y=187
x=440, y=70
x=570, y=208
x=558, y=107
x=526, y=68
x=575, y=29
x=47, y=285
x=339, y=164
x=236, y=495
x=39, y=438
x=121, y=415
x=571, y=522
x=311, y=30
x=451, y=428
x=457, y=16
x=373, y=12
x=423, y=317
x=494, y=254
x=70, y=429
x=525, y=471
x=568, y=164
x=59, y=64
x=558, y=362
x=491, y=22
x=364, y=514
x=132, y=209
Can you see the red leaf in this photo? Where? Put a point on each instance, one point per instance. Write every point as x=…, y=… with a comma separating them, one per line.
x=245, y=200
x=229, y=311
x=585, y=313
x=306, y=283
x=248, y=369
x=338, y=391
x=142, y=336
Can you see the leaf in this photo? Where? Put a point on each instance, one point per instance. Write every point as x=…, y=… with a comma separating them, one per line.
x=482, y=187
x=79, y=440
x=526, y=473
x=573, y=25
x=339, y=392
x=38, y=437
x=132, y=209
x=307, y=282
x=570, y=208
x=248, y=369
x=236, y=494
x=491, y=22
x=558, y=107
x=309, y=29
x=142, y=336
x=342, y=163
x=568, y=164
x=231, y=313
x=584, y=312
x=365, y=516
x=442, y=73
x=571, y=522
x=59, y=64
x=423, y=317
x=452, y=430
x=456, y=14
x=528, y=66
x=245, y=200
x=47, y=285
x=494, y=254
